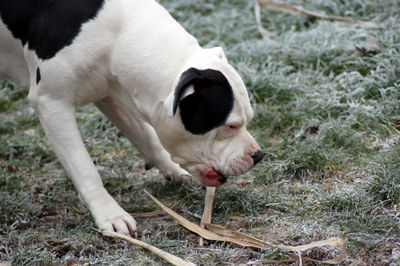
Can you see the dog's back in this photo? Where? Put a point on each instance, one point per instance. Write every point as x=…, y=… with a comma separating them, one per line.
x=45, y=26
x=12, y=62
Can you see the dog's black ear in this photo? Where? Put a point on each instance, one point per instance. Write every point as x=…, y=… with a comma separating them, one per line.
x=205, y=99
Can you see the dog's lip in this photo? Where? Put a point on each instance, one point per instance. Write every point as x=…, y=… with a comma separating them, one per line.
x=213, y=178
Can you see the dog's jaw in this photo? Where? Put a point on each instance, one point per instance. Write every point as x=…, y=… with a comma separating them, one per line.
x=212, y=178
x=204, y=174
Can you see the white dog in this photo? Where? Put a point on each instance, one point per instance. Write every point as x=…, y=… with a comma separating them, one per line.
x=183, y=107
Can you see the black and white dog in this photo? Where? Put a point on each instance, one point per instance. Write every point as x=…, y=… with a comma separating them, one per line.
x=184, y=108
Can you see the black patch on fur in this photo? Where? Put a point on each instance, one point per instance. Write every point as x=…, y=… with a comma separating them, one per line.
x=38, y=77
x=47, y=25
x=211, y=103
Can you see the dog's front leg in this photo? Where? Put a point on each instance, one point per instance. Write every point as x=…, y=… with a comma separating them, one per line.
x=58, y=120
x=143, y=136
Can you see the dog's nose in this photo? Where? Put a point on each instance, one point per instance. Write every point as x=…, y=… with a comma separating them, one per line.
x=257, y=156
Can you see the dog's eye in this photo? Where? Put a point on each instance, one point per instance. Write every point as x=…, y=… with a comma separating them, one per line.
x=235, y=126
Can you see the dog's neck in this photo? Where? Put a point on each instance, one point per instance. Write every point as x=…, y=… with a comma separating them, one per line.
x=147, y=70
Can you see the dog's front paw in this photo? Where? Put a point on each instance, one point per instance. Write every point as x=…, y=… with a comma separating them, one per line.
x=170, y=170
x=176, y=174
x=110, y=217
x=118, y=222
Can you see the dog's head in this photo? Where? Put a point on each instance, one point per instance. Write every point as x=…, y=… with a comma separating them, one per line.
x=209, y=109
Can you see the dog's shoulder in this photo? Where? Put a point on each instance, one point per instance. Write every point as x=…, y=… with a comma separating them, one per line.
x=47, y=26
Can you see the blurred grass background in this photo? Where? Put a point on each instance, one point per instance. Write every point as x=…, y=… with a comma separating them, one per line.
x=327, y=115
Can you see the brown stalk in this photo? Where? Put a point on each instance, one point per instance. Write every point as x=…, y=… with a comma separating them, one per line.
x=207, y=213
x=161, y=253
x=294, y=10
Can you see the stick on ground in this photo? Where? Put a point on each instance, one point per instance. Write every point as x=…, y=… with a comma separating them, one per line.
x=207, y=213
x=294, y=10
x=161, y=253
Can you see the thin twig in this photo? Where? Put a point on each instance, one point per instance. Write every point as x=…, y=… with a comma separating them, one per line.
x=207, y=213
x=161, y=253
x=257, y=14
x=294, y=10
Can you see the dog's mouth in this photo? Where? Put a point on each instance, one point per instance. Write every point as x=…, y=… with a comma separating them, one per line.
x=212, y=178
x=206, y=175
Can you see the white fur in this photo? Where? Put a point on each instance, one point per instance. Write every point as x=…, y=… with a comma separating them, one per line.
x=127, y=61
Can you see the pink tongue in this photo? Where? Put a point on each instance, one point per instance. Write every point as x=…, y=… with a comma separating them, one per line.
x=211, y=174
x=212, y=178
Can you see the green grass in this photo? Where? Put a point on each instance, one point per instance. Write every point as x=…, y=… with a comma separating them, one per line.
x=327, y=117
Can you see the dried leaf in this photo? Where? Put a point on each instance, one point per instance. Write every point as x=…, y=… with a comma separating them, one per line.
x=197, y=229
x=219, y=233
x=370, y=47
x=223, y=231
x=236, y=218
x=336, y=242
x=146, y=214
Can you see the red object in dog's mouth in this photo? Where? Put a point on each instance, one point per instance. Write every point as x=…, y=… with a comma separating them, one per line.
x=213, y=178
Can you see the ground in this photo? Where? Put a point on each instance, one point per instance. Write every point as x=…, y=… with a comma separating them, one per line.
x=327, y=114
